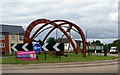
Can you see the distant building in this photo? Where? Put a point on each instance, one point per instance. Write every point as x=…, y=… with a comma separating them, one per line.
x=10, y=34
x=67, y=44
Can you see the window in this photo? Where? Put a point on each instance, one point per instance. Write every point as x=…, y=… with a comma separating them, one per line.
x=2, y=37
x=13, y=37
x=21, y=37
x=2, y=45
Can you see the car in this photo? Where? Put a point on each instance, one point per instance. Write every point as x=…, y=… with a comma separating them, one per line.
x=113, y=50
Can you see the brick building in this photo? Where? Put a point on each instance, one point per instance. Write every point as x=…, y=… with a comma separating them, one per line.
x=10, y=34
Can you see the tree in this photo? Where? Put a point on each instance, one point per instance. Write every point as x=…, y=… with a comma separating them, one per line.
x=109, y=45
x=115, y=43
x=97, y=42
x=51, y=40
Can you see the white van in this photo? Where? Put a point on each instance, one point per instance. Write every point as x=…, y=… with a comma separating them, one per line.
x=113, y=50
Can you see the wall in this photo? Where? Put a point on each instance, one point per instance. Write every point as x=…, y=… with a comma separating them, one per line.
x=16, y=40
x=6, y=41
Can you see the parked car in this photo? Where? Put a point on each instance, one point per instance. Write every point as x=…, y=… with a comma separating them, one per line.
x=113, y=50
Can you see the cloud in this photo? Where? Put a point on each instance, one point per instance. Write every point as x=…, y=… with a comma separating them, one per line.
x=113, y=16
x=100, y=16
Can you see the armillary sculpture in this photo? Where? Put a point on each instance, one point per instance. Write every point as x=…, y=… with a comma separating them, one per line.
x=54, y=25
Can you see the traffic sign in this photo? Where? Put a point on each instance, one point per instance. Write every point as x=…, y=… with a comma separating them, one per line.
x=21, y=47
x=37, y=48
x=53, y=47
x=26, y=55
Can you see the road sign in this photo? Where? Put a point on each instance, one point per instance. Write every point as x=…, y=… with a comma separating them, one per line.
x=26, y=55
x=53, y=47
x=13, y=48
x=21, y=47
x=37, y=48
x=44, y=47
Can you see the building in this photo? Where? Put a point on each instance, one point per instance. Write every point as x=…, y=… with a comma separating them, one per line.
x=10, y=34
x=67, y=45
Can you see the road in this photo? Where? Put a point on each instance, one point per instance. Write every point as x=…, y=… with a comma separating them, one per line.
x=108, y=54
x=108, y=66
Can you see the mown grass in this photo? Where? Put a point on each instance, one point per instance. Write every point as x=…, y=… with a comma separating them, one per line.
x=50, y=59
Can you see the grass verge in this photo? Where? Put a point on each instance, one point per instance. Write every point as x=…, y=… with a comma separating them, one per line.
x=50, y=59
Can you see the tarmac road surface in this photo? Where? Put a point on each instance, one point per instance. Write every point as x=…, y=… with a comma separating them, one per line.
x=108, y=66
x=108, y=54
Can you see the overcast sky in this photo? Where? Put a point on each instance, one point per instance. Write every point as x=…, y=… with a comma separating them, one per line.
x=100, y=18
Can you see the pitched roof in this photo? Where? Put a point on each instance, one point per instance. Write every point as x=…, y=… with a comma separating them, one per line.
x=11, y=29
x=63, y=40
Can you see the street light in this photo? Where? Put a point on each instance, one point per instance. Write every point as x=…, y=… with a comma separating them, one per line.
x=87, y=33
x=56, y=34
x=86, y=41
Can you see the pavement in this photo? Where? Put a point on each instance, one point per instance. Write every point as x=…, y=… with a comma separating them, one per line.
x=106, y=66
x=108, y=54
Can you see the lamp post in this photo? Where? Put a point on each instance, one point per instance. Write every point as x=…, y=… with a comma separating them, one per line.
x=86, y=34
x=56, y=34
x=87, y=42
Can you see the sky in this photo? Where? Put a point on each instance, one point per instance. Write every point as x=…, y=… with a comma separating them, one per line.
x=99, y=18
